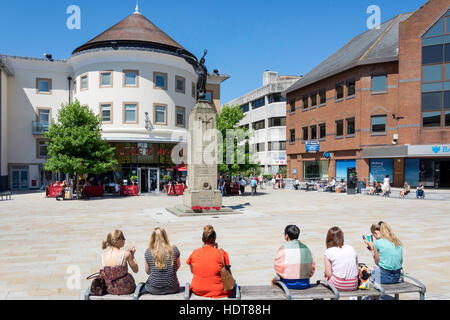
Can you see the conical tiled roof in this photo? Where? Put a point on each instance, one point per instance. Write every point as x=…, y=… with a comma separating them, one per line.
x=135, y=30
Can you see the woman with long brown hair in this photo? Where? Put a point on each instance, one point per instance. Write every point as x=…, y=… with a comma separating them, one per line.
x=162, y=261
x=115, y=264
x=387, y=253
x=341, y=261
x=205, y=264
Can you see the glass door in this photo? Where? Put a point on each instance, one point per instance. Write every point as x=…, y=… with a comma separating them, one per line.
x=19, y=179
x=154, y=179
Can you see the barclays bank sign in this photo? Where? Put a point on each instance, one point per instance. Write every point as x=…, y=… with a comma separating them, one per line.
x=429, y=150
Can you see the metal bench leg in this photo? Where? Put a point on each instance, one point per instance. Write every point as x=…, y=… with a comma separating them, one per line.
x=187, y=291
x=420, y=284
x=332, y=287
x=87, y=293
x=137, y=292
x=285, y=289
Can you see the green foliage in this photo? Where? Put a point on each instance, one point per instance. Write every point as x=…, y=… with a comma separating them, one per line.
x=166, y=178
x=227, y=122
x=134, y=178
x=75, y=144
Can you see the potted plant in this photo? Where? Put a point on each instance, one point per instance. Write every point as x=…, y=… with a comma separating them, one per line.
x=134, y=179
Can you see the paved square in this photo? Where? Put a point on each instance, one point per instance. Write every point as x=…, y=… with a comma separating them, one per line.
x=41, y=238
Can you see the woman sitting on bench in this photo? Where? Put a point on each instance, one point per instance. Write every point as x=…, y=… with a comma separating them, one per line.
x=162, y=261
x=341, y=262
x=387, y=254
x=115, y=265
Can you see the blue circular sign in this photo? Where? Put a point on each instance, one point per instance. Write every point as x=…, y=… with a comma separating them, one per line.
x=327, y=155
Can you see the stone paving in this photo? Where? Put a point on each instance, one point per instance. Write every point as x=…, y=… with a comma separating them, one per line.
x=41, y=238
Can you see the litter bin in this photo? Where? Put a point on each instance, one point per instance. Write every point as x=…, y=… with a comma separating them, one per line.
x=351, y=180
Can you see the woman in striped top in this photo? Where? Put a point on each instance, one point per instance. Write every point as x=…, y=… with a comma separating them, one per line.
x=161, y=264
x=341, y=262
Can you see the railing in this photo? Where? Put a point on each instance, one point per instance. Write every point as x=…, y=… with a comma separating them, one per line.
x=39, y=127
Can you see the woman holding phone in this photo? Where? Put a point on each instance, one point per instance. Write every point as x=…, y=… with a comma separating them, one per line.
x=387, y=253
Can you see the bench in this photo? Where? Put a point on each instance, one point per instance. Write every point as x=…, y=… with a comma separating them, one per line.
x=321, y=290
x=6, y=195
x=183, y=294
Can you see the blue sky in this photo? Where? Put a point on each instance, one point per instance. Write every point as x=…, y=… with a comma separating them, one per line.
x=244, y=38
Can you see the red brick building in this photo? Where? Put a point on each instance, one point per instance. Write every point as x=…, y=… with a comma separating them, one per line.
x=380, y=104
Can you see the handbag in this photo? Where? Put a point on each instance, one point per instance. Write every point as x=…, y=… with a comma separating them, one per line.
x=98, y=286
x=225, y=274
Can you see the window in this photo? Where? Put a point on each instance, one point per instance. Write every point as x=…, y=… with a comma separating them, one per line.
x=43, y=117
x=292, y=104
x=160, y=114
x=447, y=118
x=258, y=103
x=322, y=97
x=180, y=84
x=276, y=97
x=209, y=96
x=322, y=131
x=292, y=136
x=84, y=82
x=245, y=107
x=350, y=126
x=260, y=147
x=277, y=146
x=313, y=99
x=378, y=124
x=379, y=83
x=160, y=80
x=106, y=112
x=180, y=116
x=44, y=86
x=258, y=125
x=106, y=79
x=277, y=122
x=42, y=149
x=131, y=78
x=351, y=88
x=339, y=128
x=305, y=102
x=339, y=91
x=130, y=112
x=431, y=119
x=194, y=90
x=313, y=132
x=305, y=133
x=435, y=71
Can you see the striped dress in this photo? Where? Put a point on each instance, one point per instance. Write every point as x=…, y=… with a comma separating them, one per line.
x=163, y=281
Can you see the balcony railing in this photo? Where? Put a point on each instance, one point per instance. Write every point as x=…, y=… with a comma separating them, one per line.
x=39, y=127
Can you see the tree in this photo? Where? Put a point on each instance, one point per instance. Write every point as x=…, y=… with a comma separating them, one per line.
x=75, y=144
x=227, y=122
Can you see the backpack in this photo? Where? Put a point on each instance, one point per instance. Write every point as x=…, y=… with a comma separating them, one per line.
x=364, y=277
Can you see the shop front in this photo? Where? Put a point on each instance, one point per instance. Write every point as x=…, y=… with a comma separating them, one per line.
x=149, y=165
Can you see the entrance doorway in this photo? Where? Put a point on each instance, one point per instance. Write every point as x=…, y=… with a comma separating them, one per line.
x=148, y=180
x=19, y=179
x=445, y=174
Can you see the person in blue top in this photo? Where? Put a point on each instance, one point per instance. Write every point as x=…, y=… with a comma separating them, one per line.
x=254, y=183
x=387, y=253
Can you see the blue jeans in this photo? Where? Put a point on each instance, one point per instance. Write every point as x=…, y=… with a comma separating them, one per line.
x=420, y=193
x=383, y=276
x=221, y=190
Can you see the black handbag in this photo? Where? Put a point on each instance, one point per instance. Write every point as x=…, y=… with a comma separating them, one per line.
x=98, y=286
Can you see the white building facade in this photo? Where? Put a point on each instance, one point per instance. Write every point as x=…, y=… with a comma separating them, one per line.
x=133, y=75
x=265, y=113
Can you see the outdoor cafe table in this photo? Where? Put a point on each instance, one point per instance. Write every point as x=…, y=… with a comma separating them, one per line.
x=129, y=190
x=53, y=191
x=93, y=191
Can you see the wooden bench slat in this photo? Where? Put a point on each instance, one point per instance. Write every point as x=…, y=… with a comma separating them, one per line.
x=314, y=292
x=262, y=293
x=112, y=297
x=176, y=296
x=403, y=287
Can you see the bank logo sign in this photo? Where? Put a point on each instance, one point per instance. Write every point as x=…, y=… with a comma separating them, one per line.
x=438, y=149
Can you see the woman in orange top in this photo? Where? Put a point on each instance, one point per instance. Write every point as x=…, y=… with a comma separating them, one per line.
x=205, y=263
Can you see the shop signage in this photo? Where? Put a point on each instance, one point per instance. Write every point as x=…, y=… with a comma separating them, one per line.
x=143, y=151
x=312, y=146
x=429, y=150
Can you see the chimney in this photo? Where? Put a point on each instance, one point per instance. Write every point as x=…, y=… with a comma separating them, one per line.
x=269, y=77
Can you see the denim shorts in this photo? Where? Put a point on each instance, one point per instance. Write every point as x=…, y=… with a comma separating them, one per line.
x=385, y=276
